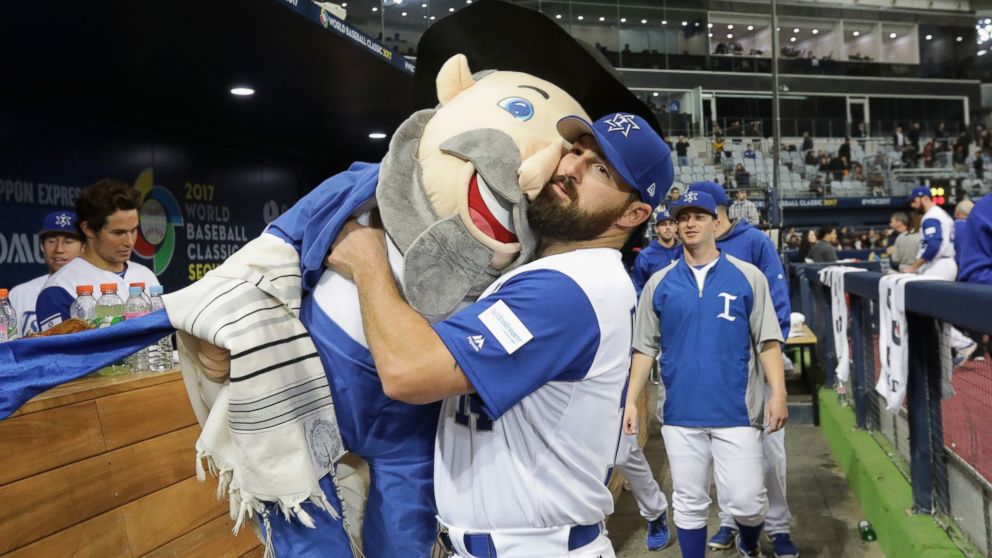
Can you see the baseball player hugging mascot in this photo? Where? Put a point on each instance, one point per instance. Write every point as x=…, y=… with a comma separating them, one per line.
x=271, y=342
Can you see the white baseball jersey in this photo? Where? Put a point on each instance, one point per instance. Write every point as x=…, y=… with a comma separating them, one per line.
x=547, y=349
x=60, y=290
x=937, y=238
x=23, y=297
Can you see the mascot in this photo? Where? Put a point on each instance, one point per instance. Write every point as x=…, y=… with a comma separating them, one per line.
x=271, y=342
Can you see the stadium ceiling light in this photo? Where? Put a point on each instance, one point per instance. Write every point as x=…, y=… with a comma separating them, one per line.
x=750, y=28
x=730, y=27
x=433, y=18
x=709, y=26
x=959, y=39
x=892, y=35
x=663, y=22
x=988, y=21
x=982, y=52
x=623, y=20
x=580, y=18
x=929, y=37
x=856, y=34
x=451, y=9
x=795, y=30
x=696, y=24
x=242, y=91
x=777, y=29
x=375, y=9
x=655, y=94
x=710, y=35
x=792, y=39
x=422, y=5
x=344, y=4
x=815, y=31
x=557, y=16
x=403, y=14
x=601, y=18
x=685, y=23
x=377, y=135
x=730, y=35
x=468, y=1
x=645, y=21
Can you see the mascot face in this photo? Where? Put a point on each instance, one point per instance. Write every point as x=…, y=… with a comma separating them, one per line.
x=454, y=187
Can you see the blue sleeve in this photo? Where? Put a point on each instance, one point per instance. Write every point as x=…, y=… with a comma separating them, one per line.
x=771, y=267
x=313, y=223
x=932, y=237
x=976, y=246
x=551, y=308
x=52, y=307
x=640, y=272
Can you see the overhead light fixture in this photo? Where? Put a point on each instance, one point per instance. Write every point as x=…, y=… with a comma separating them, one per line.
x=856, y=33
x=468, y=1
x=422, y=5
x=795, y=30
x=730, y=35
x=792, y=39
x=241, y=91
x=988, y=21
x=959, y=39
x=344, y=4
x=374, y=9
x=982, y=52
x=710, y=35
x=557, y=16
x=663, y=22
x=685, y=23
x=750, y=28
x=644, y=21
x=655, y=94
x=815, y=31
x=709, y=26
x=377, y=135
x=580, y=18
x=623, y=20
x=777, y=29
x=601, y=18
x=696, y=24
x=433, y=18
x=403, y=14
x=929, y=37
x=731, y=26
x=451, y=9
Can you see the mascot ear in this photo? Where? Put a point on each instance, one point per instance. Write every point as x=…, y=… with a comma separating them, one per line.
x=537, y=169
x=454, y=77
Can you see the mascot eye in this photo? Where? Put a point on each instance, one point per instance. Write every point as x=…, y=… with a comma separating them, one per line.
x=519, y=108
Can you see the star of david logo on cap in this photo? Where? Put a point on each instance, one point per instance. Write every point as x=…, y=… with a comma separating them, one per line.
x=63, y=220
x=622, y=123
x=690, y=197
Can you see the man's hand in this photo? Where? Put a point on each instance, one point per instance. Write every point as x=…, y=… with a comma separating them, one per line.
x=776, y=413
x=357, y=246
x=630, y=418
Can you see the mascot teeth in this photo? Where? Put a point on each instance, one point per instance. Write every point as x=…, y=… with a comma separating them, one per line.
x=489, y=212
x=497, y=207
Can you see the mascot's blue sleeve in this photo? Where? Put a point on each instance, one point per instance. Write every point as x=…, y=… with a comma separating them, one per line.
x=32, y=365
x=313, y=223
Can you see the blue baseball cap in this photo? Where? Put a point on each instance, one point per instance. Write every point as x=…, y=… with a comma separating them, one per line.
x=663, y=215
x=919, y=192
x=631, y=147
x=694, y=198
x=59, y=222
x=715, y=191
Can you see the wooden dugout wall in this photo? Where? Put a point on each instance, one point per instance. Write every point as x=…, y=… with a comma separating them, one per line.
x=105, y=467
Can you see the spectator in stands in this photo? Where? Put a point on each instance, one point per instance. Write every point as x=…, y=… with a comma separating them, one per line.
x=811, y=158
x=816, y=185
x=823, y=251
x=736, y=129
x=844, y=151
x=910, y=156
x=976, y=250
x=959, y=158
x=743, y=208
x=793, y=241
x=978, y=165
x=929, y=153
x=673, y=194
x=682, y=151
x=717, y=130
x=857, y=172
x=806, y=244
x=940, y=136
x=824, y=164
x=749, y=152
x=807, y=142
x=838, y=167
x=859, y=131
x=721, y=48
x=961, y=212
x=741, y=177
x=898, y=138
x=914, y=135
x=718, y=145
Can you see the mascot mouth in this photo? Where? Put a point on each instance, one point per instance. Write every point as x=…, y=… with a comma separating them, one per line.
x=489, y=212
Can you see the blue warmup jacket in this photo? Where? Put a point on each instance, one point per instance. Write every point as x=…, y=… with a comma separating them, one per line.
x=652, y=258
x=975, y=261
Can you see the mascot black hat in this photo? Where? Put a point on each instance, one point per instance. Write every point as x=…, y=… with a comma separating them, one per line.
x=501, y=36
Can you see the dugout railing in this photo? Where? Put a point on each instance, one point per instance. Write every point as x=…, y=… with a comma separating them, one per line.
x=943, y=431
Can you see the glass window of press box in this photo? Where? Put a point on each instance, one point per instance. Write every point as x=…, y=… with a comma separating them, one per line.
x=666, y=35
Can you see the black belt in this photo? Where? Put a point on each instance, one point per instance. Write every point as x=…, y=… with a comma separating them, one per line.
x=480, y=545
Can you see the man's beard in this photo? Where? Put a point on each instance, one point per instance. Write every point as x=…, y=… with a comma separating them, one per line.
x=552, y=218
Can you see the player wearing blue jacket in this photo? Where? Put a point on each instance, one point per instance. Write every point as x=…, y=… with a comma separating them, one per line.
x=661, y=252
x=746, y=243
x=976, y=247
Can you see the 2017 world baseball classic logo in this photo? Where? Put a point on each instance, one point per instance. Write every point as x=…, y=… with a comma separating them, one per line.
x=160, y=216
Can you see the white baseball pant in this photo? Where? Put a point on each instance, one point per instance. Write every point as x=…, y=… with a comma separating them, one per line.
x=736, y=456
x=634, y=465
x=528, y=543
x=779, y=517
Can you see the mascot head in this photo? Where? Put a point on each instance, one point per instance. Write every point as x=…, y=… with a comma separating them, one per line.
x=454, y=186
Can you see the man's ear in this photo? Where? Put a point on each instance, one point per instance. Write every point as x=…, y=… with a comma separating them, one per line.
x=454, y=77
x=636, y=213
x=87, y=231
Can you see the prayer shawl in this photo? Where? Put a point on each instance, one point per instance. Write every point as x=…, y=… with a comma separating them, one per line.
x=833, y=277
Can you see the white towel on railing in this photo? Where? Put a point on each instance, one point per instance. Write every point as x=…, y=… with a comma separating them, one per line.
x=893, y=339
x=269, y=431
x=833, y=277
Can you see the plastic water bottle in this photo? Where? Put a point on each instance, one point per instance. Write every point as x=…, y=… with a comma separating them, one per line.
x=136, y=307
x=8, y=318
x=159, y=354
x=867, y=531
x=110, y=311
x=84, y=307
x=144, y=293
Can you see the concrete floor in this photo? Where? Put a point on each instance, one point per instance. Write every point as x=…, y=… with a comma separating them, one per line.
x=824, y=509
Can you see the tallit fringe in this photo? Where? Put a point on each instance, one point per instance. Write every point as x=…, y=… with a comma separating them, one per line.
x=243, y=506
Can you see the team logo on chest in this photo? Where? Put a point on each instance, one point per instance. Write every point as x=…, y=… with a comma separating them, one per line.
x=727, y=299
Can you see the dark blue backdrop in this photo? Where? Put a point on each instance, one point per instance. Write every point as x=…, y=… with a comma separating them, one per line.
x=202, y=201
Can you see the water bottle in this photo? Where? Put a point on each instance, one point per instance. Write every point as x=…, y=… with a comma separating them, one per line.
x=867, y=531
x=144, y=294
x=84, y=307
x=8, y=318
x=159, y=354
x=110, y=311
x=135, y=307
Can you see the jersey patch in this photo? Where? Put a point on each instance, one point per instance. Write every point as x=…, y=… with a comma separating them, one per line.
x=505, y=326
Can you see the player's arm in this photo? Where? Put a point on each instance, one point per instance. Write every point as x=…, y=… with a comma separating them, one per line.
x=640, y=369
x=930, y=241
x=412, y=362
x=646, y=340
x=766, y=336
x=771, y=266
x=52, y=307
